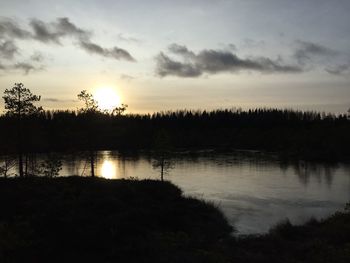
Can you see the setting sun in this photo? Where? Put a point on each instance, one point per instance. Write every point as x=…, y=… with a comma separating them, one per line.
x=107, y=98
x=108, y=170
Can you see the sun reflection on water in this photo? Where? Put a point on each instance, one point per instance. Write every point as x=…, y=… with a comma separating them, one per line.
x=108, y=170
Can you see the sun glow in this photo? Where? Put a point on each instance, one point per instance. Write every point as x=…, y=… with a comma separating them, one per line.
x=108, y=170
x=107, y=98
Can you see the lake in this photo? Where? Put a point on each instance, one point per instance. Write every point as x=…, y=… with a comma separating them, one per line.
x=254, y=190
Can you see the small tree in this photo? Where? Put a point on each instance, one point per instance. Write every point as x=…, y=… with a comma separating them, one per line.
x=162, y=156
x=89, y=110
x=90, y=104
x=8, y=164
x=51, y=166
x=118, y=111
x=19, y=102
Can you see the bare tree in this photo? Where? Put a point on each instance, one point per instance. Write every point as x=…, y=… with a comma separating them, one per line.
x=19, y=102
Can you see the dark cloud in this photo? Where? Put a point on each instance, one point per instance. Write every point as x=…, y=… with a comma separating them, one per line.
x=339, y=69
x=215, y=61
x=166, y=66
x=115, y=52
x=306, y=51
x=26, y=67
x=93, y=48
x=65, y=27
x=8, y=49
x=229, y=46
x=37, y=57
x=9, y=28
x=180, y=50
x=232, y=47
x=44, y=33
x=53, y=32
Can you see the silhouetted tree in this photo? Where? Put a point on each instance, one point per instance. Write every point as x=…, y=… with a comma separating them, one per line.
x=32, y=167
x=7, y=165
x=296, y=134
x=119, y=110
x=51, y=166
x=90, y=110
x=162, y=146
x=19, y=102
x=90, y=104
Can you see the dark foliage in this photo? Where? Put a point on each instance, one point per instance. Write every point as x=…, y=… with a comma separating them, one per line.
x=308, y=135
x=79, y=219
x=316, y=241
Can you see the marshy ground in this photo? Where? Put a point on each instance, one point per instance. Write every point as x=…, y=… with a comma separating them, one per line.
x=77, y=219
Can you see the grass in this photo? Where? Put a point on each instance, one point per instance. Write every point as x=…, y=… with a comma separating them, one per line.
x=79, y=219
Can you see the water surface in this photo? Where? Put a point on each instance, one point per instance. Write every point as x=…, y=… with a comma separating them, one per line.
x=255, y=191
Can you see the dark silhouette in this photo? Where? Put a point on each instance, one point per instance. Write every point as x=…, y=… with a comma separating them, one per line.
x=19, y=102
x=119, y=110
x=92, y=219
x=292, y=134
x=75, y=219
x=162, y=146
x=51, y=166
x=89, y=110
x=8, y=164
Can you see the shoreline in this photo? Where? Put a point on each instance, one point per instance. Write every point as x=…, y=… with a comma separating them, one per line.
x=144, y=220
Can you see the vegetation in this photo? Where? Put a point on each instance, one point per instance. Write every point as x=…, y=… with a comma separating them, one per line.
x=28, y=129
x=88, y=112
x=79, y=219
x=307, y=135
x=316, y=241
x=19, y=102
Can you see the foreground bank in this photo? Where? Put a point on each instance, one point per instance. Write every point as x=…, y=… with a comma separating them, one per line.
x=78, y=219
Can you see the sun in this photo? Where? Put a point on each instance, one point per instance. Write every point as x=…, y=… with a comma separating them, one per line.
x=107, y=98
x=108, y=170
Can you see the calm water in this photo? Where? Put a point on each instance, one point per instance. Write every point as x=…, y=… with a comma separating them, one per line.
x=253, y=190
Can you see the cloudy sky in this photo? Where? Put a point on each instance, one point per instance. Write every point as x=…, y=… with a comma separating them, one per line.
x=161, y=55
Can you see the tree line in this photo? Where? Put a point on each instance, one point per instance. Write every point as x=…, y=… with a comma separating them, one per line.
x=26, y=129
x=25, y=137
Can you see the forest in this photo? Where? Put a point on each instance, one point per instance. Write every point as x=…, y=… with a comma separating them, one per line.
x=27, y=129
x=296, y=134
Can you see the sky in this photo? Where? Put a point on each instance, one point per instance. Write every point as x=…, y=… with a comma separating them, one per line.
x=160, y=55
